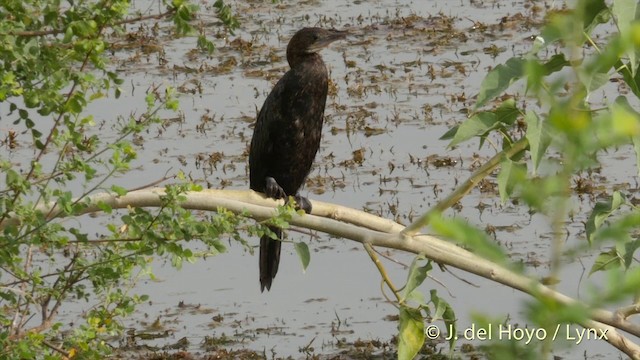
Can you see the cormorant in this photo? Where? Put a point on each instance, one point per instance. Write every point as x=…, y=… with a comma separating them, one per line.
x=287, y=133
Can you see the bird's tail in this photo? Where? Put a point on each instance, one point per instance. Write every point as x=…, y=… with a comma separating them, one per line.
x=269, y=258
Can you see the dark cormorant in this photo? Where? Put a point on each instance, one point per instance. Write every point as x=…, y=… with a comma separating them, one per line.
x=287, y=133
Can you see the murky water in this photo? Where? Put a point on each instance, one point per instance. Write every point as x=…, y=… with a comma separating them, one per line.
x=408, y=72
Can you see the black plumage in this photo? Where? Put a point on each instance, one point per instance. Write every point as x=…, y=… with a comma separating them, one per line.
x=288, y=131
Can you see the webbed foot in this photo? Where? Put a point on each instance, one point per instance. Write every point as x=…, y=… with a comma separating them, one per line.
x=273, y=190
x=303, y=203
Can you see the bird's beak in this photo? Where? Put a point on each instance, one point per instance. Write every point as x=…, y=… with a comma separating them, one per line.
x=327, y=38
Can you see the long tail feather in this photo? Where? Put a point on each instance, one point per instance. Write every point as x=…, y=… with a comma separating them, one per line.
x=269, y=258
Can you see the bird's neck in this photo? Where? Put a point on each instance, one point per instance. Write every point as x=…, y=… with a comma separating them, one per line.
x=296, y=59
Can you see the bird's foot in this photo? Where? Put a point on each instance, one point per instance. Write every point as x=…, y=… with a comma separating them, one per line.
x=273, y=190
x=303, y=203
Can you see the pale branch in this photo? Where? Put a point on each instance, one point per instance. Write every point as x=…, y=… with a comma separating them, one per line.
x=627, y=311
x=367, y=229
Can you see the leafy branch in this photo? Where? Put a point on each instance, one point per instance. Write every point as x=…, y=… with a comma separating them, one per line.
x=369, y=229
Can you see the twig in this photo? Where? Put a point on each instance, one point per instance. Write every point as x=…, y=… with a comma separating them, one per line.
x=56, y=348
x=382, y=271
x=625, y=312
x=405, y=266
x=469, y=184
x=429, y=276
x=154, y=183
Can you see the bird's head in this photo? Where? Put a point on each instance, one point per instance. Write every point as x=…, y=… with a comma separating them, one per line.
x=311, y=40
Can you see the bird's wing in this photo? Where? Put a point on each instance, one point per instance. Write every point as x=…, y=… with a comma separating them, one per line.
x=265, y=134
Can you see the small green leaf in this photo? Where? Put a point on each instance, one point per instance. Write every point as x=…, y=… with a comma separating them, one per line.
x=499, y=79
x=416, y=276
x=504, y=185
x=450, y=133
x=411, y=335
x=206, y=44
x=303, y=253
x=80, y=236
x=219, y=246
x=601, y=211
x=507, y=112
x=555, y=64
x=479, y=124
x=467, y=235
x=445, y=311
x=538, y=138
x=625, y=120
x=120, y=191
x=592, y=80
x=630, y=248
x=106, y=208
x=595, y=12
x=606, y=261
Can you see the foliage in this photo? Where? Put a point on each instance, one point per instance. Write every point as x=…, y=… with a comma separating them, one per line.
x=53, y=64
x=565, y=119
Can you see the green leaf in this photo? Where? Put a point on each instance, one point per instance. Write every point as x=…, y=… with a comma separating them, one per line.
x=630, y=248
x=601, y=211
x=411, y=334
x=507, y=112
x=625, y=69
x=106, y=208
x=120, y=191
x=469, y=236
x=445, y=311
x=625, y=120
x=504, y=185
x=555, y=64
x=620, y=283
x=622, y=226
x=227, y=17
x=450, y=133
x=593, y=80
x=416, y=276
x=538, y=138
x=499, y=79
x=303, y=253
x=479, y=124
x=595, y=12
x=206, y=44
x=625, y=13
x=606, y=261
x=512, y=173
x=219, y=246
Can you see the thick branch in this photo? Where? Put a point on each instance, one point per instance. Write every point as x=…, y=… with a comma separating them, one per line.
x=368, y=229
